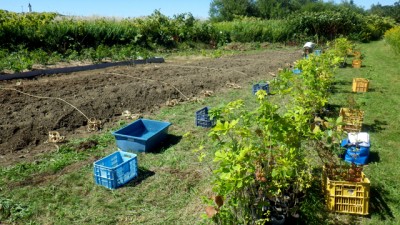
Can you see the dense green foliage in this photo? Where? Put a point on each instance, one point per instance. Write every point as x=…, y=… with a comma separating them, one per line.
x=392, y=37
x=62, y=34
x=227, y=10
x=254, y=30
x=331, y=24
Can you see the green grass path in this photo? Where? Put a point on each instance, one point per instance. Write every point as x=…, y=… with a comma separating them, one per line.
x=382, y=120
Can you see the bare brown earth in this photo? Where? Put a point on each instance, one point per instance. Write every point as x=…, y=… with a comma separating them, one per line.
x=105, y=93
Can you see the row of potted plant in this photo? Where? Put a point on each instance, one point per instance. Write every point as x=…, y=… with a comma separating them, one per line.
x=262, y=169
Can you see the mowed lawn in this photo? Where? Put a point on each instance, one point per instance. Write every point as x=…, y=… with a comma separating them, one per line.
x=382, y=121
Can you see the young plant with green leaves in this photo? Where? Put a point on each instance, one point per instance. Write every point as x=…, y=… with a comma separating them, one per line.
x=259, y=157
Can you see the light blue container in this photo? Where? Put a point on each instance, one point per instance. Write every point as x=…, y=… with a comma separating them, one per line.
x=142, y=135
x=296, y=71
x=115, y=169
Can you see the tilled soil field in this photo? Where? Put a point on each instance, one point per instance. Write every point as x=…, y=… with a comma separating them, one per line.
x=26, y=119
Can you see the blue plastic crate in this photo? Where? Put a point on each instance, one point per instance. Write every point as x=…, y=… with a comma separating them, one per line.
x=318, y=52
x=141, y=135
x=260, y=86
x=115, y=169
x=296, y=71
x=203, y=119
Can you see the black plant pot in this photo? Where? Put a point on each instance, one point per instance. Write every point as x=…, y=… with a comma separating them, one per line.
x=278, y=220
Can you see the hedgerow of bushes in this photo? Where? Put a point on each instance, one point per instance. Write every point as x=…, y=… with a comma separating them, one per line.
x=392, y=37
x=42, y=38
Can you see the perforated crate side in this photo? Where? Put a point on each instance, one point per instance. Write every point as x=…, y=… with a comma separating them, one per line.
x=260, y=86
x=115, y=169
x=348, y=197
x=360, y=85
x=352, y=119
x=203, y=119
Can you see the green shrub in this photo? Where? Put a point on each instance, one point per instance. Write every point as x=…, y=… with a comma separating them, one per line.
x=245, y=29
x=392, y=37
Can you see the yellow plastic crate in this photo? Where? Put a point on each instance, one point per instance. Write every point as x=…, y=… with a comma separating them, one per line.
x=357, y=63
x=347, y=197
x=352, y=119
x=360, y=85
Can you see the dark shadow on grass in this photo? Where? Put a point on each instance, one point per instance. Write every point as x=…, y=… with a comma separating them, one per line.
x=168, y=142
x=374, y=157
x=334, y=90
x=378, y=205
x=143, y=174
x=372, y=90
x=376, y=127
x=342, y=82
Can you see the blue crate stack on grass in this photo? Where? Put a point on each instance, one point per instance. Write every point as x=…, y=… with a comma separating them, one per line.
x=116, y=169
x=357, y=148
x=142, y=135
x=203, y=119
x=260, y=86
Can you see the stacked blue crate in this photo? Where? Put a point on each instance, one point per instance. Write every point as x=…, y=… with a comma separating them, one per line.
x=260, y=86
x=357, y=148
x=203, y=119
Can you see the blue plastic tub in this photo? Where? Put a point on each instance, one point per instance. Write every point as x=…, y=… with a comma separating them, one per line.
x=260, y=86
x=203, y=119
x=115, y=169
x=142, y=135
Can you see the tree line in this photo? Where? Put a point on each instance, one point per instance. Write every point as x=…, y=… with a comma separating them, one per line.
x=228, y=10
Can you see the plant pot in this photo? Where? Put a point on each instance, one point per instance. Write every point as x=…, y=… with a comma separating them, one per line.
x=357, y=63
x=278, y=220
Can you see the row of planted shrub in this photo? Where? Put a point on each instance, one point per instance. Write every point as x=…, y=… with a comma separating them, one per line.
x=262, y=157
x=52, y=32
